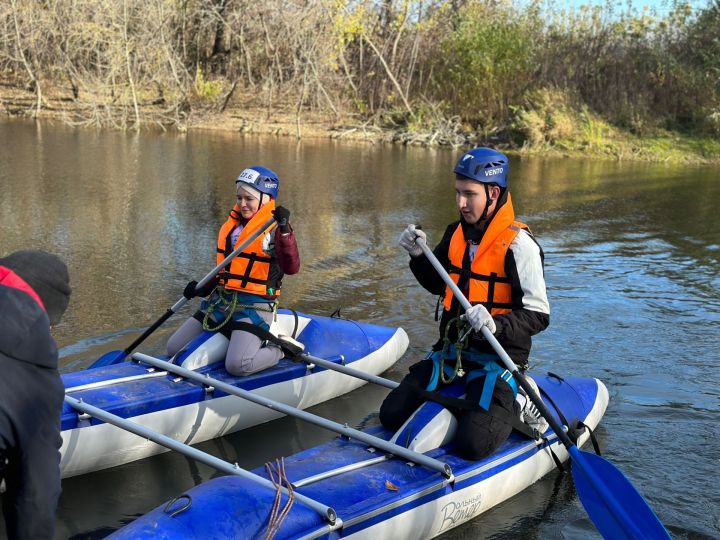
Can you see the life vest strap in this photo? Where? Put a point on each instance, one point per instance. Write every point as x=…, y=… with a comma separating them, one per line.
x=467, y=273
x=251, y=256
x=254, y=257
x=245, y=277
x=269, y=283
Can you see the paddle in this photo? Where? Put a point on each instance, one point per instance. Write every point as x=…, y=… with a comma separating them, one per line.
x=612, y=502
x=115, y=357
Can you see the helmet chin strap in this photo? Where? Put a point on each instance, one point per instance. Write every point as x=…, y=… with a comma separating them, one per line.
x=488, y=202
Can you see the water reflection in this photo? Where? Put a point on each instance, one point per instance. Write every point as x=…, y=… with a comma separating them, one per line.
x=632, y=265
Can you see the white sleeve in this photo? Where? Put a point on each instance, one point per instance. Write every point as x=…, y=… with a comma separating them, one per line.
x=268, y=245
x=530, y=273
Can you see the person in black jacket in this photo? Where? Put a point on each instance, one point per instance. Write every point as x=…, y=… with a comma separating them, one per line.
x=498, y=265
x=34, y=293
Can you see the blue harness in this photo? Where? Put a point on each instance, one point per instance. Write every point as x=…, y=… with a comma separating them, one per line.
x=483, y=365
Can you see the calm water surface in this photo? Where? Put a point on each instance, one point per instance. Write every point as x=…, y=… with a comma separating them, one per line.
x=632, y=266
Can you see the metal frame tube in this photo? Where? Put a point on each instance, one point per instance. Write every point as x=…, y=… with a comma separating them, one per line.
x=119, y=380
x=391, y=448
x=340, y=470
x=327, y=512
x=387, y=383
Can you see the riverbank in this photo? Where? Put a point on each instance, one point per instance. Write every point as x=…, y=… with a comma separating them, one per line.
x=589, y=136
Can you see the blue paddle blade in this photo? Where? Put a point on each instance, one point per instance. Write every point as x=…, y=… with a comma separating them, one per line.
x=612, y=502
x=108, y=359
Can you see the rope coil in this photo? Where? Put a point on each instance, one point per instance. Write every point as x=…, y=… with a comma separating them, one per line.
x=227, y=302
x=168, y=507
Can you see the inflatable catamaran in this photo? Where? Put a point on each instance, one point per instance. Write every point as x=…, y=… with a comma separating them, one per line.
x=373, y=483
x=376, y=484
x=192, y=410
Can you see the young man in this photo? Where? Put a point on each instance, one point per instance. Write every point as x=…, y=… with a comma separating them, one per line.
x=34, y=293
x=498, y=265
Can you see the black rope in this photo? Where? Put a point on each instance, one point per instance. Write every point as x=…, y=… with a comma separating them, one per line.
x=593, y=438
x=184, y=507
x=263, y=334
x=297, y=324
x=559, y=464
x=573, y=432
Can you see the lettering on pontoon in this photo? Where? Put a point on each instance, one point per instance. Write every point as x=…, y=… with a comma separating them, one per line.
x=454, y=513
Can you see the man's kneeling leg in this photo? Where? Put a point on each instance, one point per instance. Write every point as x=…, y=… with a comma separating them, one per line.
x=401, y=402
x=479, y=433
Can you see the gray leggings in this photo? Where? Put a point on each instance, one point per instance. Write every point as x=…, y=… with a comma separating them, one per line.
x=245, y=355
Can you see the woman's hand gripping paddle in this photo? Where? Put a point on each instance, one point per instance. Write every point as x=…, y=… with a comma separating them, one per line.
x=612, y=502
x=115, y=357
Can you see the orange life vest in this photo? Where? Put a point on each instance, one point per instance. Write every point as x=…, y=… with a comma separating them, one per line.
x=249, y=271
x=487, y=282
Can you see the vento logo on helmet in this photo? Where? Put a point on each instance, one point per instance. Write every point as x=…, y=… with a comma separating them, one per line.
x=493, y=172
x=248, y=175
x=271, y=185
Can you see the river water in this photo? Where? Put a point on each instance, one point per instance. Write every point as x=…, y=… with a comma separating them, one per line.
x=632, y=267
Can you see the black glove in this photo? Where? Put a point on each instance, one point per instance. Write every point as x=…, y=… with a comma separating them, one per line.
x=282, y=215
x=189, y=291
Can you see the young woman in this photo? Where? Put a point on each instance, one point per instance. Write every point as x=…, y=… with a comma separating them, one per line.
x=243, y=296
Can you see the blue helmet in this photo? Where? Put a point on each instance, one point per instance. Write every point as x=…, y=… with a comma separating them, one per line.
x=484, y=165
x=261, y=178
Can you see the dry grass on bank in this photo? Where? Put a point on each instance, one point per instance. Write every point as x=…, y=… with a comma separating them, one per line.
x=561, y=134
x=241, y=115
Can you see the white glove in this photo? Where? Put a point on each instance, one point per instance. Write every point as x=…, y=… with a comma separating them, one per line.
x=478, y=317
x=407, y=240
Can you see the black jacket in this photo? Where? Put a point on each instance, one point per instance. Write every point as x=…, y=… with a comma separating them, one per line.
x=31, y=398
x=514, y=330
x=25, y=327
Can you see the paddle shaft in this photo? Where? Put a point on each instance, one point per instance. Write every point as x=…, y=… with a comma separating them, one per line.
x=487, y=334
x=204, y=281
